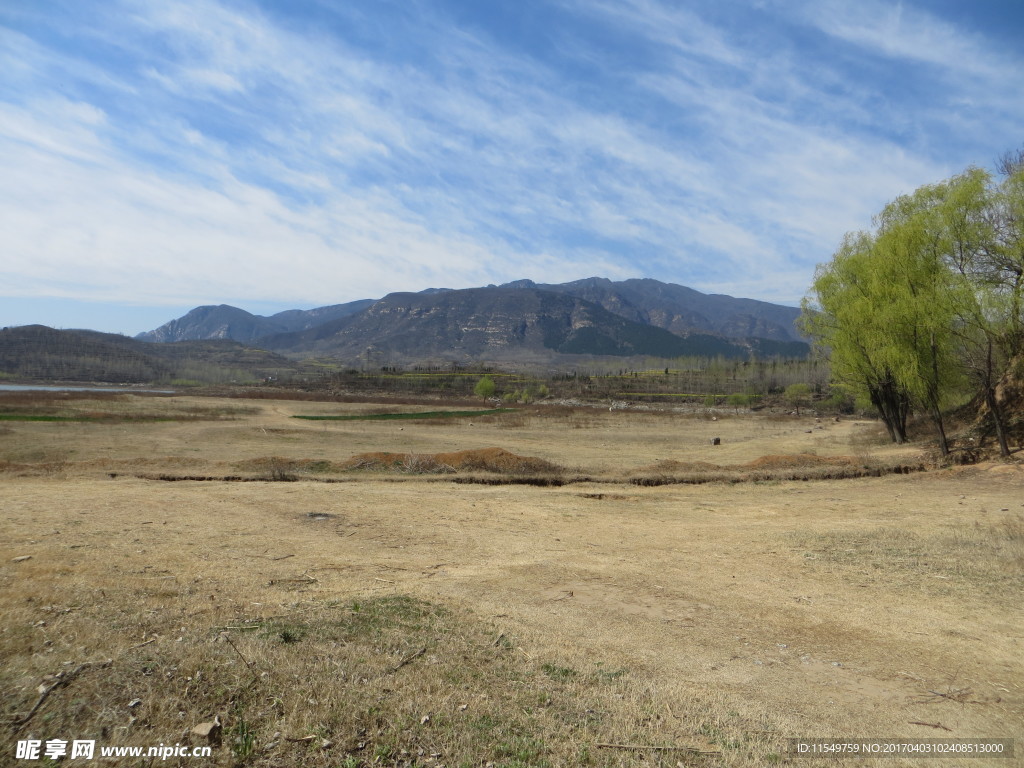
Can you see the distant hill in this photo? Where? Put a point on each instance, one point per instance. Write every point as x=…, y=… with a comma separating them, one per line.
x=37, y=352
x=515, y=322
x=227, y=322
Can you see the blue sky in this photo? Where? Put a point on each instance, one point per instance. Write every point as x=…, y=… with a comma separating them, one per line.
x=274, y=155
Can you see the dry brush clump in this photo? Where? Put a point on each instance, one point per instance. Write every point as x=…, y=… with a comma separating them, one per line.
x=282, y=468
x=491, y=460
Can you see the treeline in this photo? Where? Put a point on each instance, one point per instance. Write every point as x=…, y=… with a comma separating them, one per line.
x=693, y=379
x=924, y=311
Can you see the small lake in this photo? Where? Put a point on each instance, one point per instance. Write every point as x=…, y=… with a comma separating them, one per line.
x=58, y=388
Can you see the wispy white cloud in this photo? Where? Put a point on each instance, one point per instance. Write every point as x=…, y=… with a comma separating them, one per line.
x=200, y=151
x=903, y=31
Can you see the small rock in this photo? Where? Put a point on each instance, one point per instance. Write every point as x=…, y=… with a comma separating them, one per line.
x=21, y=559
x=716, y=441
x=425, y=719
x=210, y=731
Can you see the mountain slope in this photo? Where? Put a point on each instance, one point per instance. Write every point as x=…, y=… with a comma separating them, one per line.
x=498, y=323
x=41, y=353
x=680, y=309
x=671, y=307
x=226, y=322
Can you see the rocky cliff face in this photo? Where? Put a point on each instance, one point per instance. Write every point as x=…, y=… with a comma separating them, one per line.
x=680, y=309
x=594, y=316
x=491, y=324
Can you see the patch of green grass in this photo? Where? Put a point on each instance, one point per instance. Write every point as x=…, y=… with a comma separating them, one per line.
x=411, y=415
x=558, y=673
x=243, y=740
x=520, y=752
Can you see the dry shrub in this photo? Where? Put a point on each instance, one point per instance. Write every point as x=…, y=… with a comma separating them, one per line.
x=281, y=468
x=496, y=460
x=798, y=461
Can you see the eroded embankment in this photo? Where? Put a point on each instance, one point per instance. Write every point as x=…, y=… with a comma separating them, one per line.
x=496, y=466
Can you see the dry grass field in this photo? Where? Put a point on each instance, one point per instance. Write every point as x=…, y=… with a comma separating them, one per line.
x=609, y=589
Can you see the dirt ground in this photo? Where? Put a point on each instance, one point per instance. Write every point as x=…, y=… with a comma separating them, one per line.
x=885, y=607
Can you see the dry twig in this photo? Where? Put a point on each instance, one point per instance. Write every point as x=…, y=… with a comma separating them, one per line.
x=930, y=725
x=62, y=679
x=230, y=642
x=409, y=658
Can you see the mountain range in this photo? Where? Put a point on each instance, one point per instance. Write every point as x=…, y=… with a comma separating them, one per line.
x=520, y=321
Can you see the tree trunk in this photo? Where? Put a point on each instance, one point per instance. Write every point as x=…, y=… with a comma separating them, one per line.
x=940, y=430
x=893, y=408
x=934, y=398
x=993, y=405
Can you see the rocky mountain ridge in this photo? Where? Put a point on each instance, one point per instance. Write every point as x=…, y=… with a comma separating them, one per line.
x=516, y=321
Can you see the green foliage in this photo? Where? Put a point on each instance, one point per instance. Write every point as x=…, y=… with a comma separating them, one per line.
x=929, y=303
x=737, y=400
x=485, y=388
x=243, y=740
x=798, y=396
x=839, y=400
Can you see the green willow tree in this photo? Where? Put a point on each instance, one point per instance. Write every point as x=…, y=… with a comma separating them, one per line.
x=927, y=309
x=916, y=296
x=842, y=321
x=988, y=303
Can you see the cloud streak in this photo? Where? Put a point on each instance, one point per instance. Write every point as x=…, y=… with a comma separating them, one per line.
x=201, y=151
